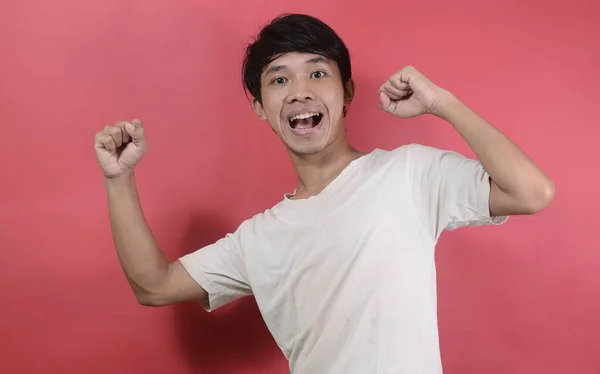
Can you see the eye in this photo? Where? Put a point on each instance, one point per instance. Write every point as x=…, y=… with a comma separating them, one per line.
x=318, y=74
x=278, y=80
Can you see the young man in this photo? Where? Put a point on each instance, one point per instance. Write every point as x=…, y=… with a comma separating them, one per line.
x=343, y=268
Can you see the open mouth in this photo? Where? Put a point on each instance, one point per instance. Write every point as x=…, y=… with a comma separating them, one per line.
x=305, y=121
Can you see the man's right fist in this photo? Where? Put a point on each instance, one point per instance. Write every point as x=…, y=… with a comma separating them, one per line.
x=120, y=147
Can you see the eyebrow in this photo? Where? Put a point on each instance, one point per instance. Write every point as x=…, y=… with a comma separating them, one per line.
x=314, y=60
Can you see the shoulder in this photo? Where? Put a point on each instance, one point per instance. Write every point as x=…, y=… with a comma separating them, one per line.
x=421, y=164
x=389, y=161
x=414, y=153
x=259, y=222
x=407, y=150
x=381, y=156
x=424, y=156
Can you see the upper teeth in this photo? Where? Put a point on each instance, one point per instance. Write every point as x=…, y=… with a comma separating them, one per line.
x=303, y=115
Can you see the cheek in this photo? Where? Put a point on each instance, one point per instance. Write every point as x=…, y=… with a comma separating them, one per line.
x=333, y=91
x=268, y=107
x=272, y=103
x=335, y=101
x=272, y=113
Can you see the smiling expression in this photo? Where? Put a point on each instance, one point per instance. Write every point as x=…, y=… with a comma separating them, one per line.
x=303, y=98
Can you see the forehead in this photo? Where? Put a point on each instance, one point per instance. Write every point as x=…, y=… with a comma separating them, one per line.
x=296, y=60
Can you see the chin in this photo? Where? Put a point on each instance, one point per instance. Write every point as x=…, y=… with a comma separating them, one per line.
x=306, y=151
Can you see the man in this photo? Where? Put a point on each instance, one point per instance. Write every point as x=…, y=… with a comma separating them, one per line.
x=342, y=269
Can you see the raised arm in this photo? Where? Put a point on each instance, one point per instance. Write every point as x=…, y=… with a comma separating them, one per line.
x=154, y=280
x=517, y=186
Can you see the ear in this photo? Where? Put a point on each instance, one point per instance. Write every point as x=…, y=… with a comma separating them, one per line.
x=258, y=108
x=349, y=92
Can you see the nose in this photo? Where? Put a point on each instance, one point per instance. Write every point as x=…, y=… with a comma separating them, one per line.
x=300, y=92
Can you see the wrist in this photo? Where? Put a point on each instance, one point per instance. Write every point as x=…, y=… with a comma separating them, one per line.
x=124, y=180
x=446, y=104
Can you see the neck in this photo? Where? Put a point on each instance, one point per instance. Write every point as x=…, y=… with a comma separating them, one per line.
x=316, y=171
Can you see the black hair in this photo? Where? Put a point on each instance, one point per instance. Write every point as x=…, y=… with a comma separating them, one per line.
x=292, y=33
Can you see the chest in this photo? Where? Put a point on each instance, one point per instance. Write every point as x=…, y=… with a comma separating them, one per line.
x=358, y=242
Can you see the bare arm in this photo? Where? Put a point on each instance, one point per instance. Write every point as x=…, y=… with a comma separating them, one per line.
x=153, y=279
x=518, y=185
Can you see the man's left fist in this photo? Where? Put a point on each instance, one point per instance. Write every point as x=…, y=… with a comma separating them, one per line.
x=408, y=93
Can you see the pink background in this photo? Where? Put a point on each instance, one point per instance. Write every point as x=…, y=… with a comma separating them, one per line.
x=523, y=298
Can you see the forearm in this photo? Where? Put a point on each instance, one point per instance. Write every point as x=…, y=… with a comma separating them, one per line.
x=508, y=166
x=145, y=266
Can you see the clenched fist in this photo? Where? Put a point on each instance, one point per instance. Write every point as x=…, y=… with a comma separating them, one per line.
x=408, y=93
x=120, y=148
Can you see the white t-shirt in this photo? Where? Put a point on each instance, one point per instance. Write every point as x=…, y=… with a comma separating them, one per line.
x=346, y=280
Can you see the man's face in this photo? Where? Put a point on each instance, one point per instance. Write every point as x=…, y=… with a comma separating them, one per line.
x=303, y=100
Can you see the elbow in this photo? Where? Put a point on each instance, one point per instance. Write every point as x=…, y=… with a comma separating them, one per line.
x=149, y=290
x=541, y=198
x=149, y=299
x=146, y=301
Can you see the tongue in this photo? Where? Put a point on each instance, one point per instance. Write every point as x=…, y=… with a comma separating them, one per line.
x=304, y=123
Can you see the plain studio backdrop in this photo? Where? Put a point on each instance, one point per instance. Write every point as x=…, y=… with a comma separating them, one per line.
x=523, y=298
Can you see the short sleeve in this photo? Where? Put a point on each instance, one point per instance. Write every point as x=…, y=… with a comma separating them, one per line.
x=220, y=269
x=449, y=190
